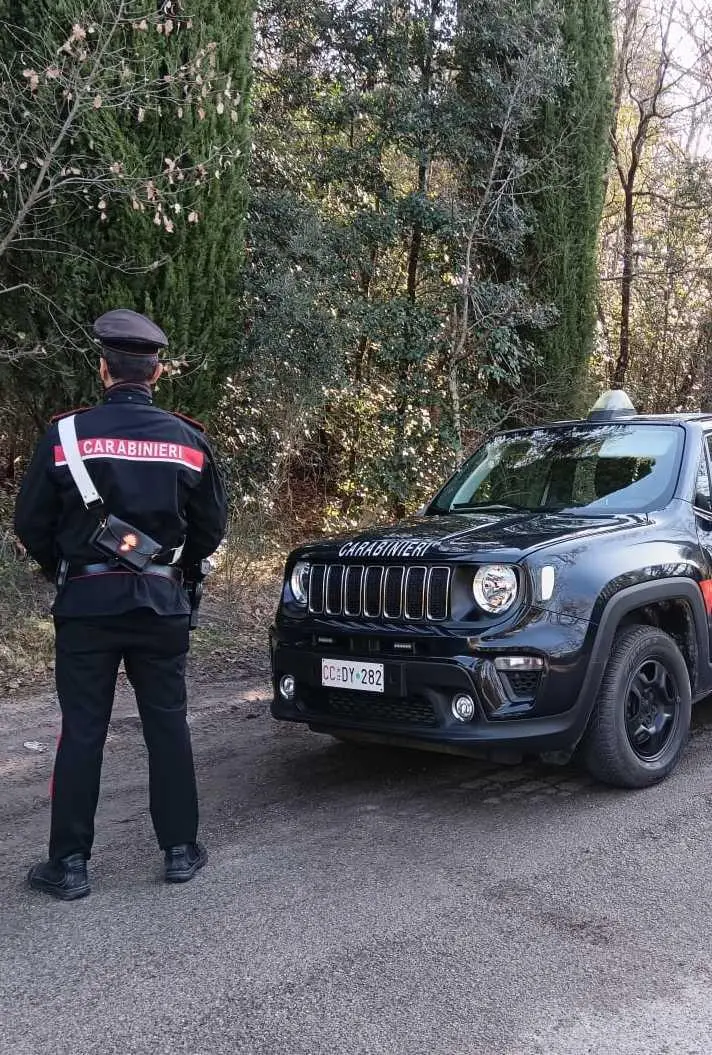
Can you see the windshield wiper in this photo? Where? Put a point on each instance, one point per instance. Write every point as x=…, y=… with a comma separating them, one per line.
x=510, y=507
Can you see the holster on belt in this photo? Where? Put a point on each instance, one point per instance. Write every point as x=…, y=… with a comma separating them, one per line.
x=193, y=577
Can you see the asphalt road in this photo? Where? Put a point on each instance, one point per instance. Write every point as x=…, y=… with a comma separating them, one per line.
x=360, y=901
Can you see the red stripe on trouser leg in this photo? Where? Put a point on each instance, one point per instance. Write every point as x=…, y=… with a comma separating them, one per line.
x=51, y=779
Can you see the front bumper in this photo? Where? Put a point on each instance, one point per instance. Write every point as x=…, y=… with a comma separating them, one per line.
x=416, y=705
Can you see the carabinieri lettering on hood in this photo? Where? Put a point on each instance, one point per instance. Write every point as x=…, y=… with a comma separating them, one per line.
x=385, y=548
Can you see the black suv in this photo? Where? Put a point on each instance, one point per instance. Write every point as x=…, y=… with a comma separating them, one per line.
x=555, y=595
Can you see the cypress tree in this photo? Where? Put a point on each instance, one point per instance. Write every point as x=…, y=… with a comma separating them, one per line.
x=180, y=263
x=572, y=151
x=195, y=293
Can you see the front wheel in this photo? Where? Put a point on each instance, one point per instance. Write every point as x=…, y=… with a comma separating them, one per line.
x=641, y=719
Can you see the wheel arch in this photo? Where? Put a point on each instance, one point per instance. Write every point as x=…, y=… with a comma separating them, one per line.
x=676, y=606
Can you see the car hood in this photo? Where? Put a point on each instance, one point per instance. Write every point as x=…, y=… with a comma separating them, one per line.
x=470, y=536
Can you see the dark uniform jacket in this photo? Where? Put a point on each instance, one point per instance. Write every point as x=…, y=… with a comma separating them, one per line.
x=154, y=470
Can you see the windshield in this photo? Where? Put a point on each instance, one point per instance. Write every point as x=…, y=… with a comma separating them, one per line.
x=597, y=468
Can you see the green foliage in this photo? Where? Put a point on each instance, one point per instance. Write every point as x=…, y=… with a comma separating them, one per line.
x=387, y=191
x=424, y=183
x=143, y=203
x=572, y=147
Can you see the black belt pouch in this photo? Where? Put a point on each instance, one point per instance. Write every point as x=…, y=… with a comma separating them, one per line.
x=128, y=546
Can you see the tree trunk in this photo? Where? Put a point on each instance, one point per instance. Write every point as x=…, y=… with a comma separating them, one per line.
x=360, y=371
x=414, y=251
x=456, y=412
x=355, y=436
x=619, y=374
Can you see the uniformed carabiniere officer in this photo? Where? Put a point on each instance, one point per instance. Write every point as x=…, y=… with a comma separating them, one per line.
x=152, y=473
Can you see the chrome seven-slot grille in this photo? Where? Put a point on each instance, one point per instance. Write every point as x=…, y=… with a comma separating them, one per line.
x=378, y=591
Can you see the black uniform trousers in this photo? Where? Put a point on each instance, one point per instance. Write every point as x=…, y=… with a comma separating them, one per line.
x=88, y=653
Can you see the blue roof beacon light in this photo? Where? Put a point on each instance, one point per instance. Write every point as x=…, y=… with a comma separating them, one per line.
x=611, y=406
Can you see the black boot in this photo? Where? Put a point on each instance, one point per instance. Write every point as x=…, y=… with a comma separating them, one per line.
x=182, y=862
x=65, y=879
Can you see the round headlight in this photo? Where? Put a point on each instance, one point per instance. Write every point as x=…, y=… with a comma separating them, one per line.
x=495, y=587
x=299, y=581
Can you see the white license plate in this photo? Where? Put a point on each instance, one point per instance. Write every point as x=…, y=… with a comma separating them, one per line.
x=343, y=674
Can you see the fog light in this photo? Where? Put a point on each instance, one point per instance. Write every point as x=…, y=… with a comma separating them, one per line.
x=463, y=708
x=287, y=687
x=519, y=663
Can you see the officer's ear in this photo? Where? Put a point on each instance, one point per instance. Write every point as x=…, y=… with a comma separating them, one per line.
x=156, y=374
x=104, y=372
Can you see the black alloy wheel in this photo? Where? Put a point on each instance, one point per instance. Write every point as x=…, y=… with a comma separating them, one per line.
x=641, y=717
x=652, y=709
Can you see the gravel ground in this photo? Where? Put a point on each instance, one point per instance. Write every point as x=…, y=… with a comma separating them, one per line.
x=358, y=900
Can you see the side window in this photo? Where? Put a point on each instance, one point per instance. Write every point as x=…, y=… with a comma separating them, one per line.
x=703, y=492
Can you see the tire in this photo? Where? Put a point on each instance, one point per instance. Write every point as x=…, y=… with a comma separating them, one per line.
x=641, y=718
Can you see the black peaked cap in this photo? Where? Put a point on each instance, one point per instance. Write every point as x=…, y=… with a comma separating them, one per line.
x=127, y=331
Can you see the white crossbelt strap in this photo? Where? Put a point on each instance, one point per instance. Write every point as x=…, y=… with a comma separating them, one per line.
x=75, y=464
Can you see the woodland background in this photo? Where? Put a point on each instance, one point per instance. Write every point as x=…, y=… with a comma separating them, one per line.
x=374, y=230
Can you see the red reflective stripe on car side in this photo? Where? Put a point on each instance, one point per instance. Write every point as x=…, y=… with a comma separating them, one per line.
x=706, y=588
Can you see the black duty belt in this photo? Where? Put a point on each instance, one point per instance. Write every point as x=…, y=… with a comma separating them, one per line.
x=166, y=571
